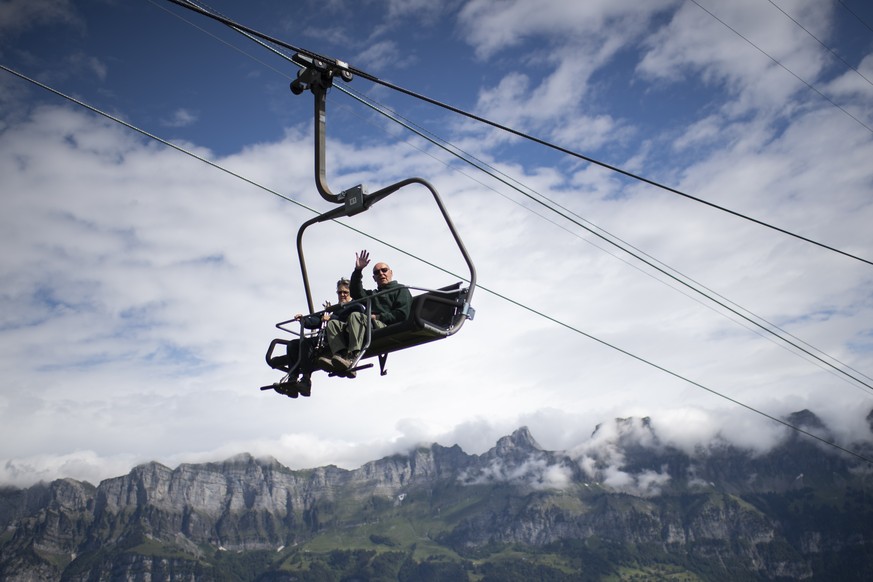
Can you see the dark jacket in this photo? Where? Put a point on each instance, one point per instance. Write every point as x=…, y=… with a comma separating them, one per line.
x=392, y=304
x=338, y=311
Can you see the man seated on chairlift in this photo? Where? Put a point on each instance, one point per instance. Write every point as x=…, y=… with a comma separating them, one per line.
x=390, y=303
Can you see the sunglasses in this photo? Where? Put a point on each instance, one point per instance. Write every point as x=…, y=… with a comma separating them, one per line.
x=383, y=270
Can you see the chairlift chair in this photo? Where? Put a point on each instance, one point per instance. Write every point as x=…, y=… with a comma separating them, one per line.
x=435, y=313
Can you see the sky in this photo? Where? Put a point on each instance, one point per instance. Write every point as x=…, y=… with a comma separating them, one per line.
x=143, y=270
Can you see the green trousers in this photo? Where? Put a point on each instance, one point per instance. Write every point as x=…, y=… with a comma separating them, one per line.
x=348, y=335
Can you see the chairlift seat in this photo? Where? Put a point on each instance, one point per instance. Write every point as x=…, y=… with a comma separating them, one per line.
x=433, y=315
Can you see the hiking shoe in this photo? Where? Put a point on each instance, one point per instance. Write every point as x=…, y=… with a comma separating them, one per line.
x=341, y=363
x=286, y=388
x=304, y=386
x=325, y=363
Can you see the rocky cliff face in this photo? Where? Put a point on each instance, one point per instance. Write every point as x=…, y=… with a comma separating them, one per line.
x=788, y=513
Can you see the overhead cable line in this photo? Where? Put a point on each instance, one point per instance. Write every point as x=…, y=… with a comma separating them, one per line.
x=415, y=257
x=638, y=254
x=829, y=49
x=840, y=372
x=777, y=62
x=681, y=377
x=853, y=13
x=229, y=44
x=151, y=135
x=486, y=168
x=363, y=74
x=482, y=166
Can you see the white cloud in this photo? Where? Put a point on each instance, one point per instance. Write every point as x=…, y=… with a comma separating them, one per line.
x=740, y=49
x=854, y=88
x=602, y=457
x=536, y=472
x=492, y=28
x=17, y=16
x=181, y=118
x=140, y=286
x=559, y=46
x=80, y=465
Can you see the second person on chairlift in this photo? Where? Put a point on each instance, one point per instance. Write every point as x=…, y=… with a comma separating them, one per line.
x=390, y=303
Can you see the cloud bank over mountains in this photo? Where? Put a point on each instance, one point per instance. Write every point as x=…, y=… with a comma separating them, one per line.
x=139, y=286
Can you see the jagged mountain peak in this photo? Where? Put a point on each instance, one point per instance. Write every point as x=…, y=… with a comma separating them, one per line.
x=148, y=471
x=519, y=460
x=243, y=459
x=806, y=419
x=625, y=432
x=520, y=440
x=623, y=485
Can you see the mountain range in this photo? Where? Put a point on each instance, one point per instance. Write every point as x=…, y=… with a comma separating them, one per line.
x=632, y=509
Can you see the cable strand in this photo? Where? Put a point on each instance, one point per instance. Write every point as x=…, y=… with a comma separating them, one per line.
x=415, y=257
x=534, y=139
